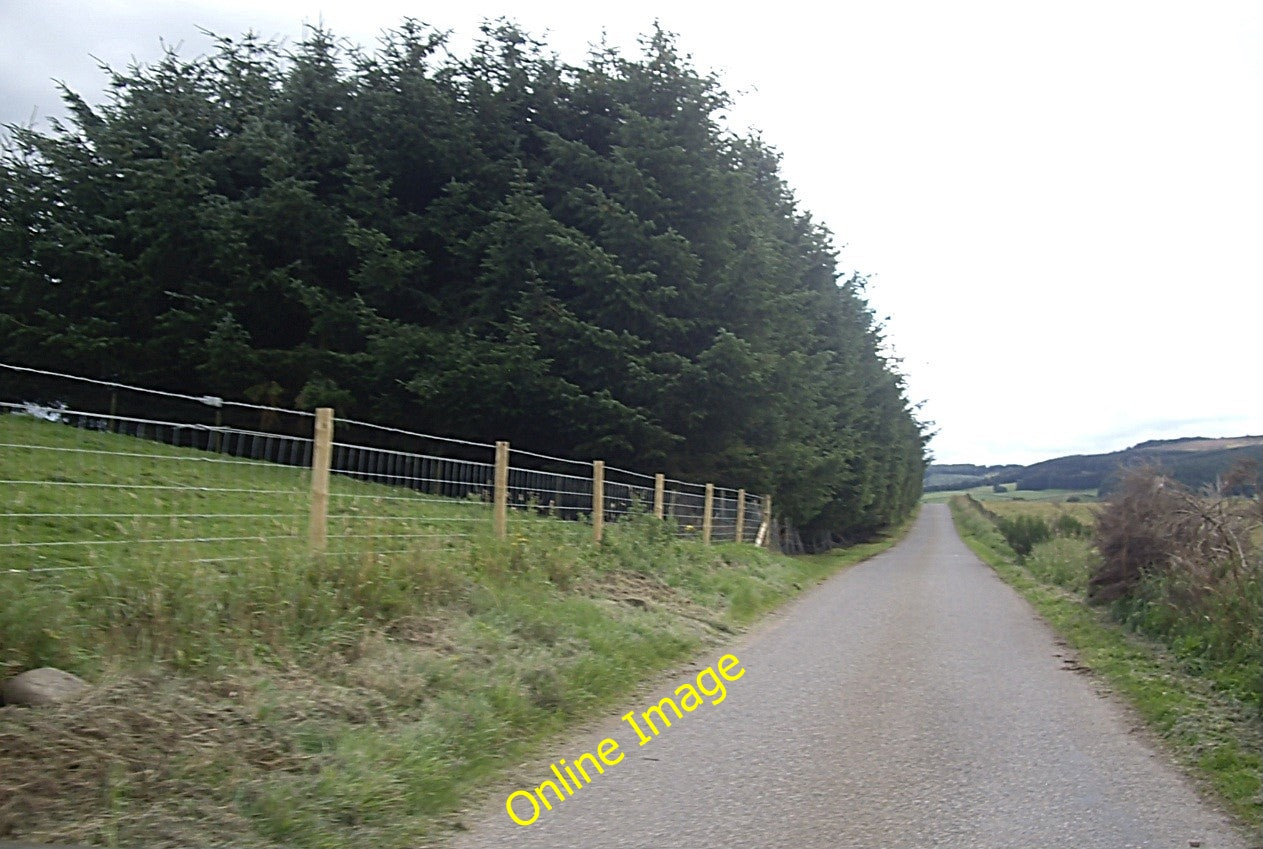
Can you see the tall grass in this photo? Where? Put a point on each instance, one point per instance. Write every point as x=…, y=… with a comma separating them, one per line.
x=1065, y=561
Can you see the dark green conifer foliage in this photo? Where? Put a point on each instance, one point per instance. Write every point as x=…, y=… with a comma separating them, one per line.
x=502, y=246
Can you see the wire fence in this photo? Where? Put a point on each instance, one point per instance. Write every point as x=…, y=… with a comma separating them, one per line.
x=94, y=471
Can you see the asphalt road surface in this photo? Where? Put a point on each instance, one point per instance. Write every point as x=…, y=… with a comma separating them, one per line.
x=913, y=700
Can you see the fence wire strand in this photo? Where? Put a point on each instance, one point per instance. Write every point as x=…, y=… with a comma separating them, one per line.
x=88, y=477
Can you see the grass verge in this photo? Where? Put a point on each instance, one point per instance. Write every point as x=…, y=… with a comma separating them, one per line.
x=1219, y=738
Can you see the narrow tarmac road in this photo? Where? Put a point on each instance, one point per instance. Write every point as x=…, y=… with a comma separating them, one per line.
x=913, y=700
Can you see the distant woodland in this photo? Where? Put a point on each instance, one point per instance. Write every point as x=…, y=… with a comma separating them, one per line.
x=1193, y=461
x=579, y=259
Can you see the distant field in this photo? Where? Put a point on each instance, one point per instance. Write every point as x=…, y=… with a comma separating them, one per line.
x=985, y=493
x=1047, y=504
x=1047, y=510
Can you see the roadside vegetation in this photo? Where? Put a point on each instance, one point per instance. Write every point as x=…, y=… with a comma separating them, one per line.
x=350, y=700
x=1178, y=637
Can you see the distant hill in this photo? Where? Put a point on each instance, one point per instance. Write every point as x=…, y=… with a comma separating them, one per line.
x=964, y=475
x=1194, y=461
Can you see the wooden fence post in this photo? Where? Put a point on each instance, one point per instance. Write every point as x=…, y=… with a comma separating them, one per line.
x=322, y=452
x=659, y=484
x=500, y=513
x=764, y=536
x=598, y=499
x=217, y=434
x=741, y=516
x=706, y=514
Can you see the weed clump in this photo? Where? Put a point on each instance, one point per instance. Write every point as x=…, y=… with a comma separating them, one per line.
x=1066, y=560
x=1024, y=532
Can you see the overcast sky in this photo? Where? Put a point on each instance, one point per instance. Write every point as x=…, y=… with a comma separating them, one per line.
x=1059, y=205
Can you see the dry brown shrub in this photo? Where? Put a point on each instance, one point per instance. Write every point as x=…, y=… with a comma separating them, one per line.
x=1155, y=526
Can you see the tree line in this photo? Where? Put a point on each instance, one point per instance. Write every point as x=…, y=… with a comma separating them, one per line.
x=500, y=245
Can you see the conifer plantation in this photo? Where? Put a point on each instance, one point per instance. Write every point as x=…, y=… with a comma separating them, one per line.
x=580, y=259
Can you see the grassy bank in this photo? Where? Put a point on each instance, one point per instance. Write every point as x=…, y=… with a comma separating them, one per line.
x=354, y=699
x=1217, y=736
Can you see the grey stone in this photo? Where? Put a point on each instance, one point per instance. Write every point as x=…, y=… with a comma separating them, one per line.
x=44, y=686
